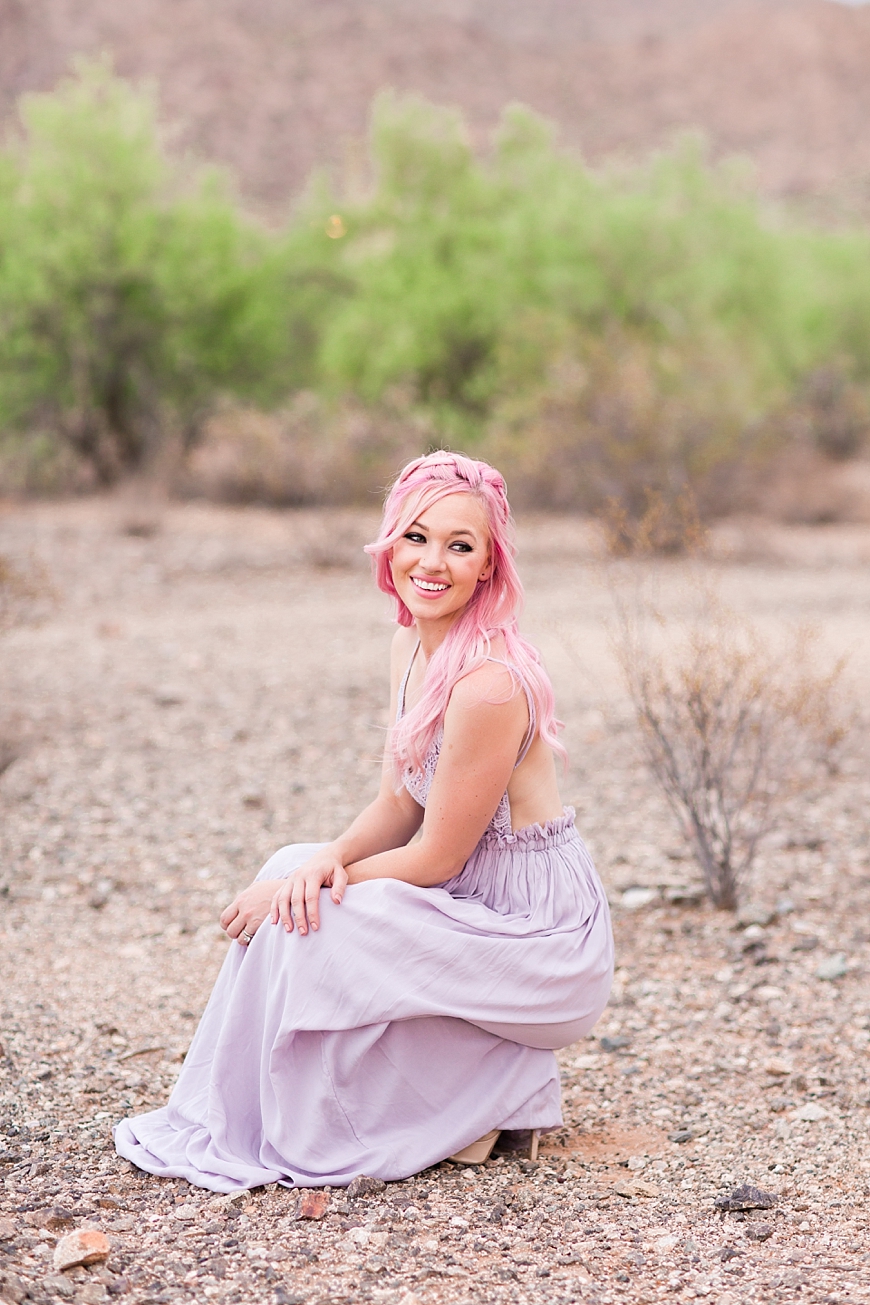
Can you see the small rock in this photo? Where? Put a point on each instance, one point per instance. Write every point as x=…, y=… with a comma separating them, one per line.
x=8, y=1230
x=754, y=913
x=811, y=1113
x=747, y=1197
x=109, y=1203
x=614, y=1044
x=806, y=943
x=685, y=894
x=185, y=1211
x=637, y=1162
x=832, y=968
x=728, y=1253
x=168, y=697
x=254, y=799
x=681, y=1135
x=635, y=898
x=58, y=1285
x=12, y=1288
x=362, y=1185
x=313, y=1203
x=92, y=1293
x=632, y=1187
x=86, y=1246
x=777, y=1068
x=758, y=1232
x=754, y=934
x=58, y=1219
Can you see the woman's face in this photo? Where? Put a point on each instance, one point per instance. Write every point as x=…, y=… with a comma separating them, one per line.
x=440, y=559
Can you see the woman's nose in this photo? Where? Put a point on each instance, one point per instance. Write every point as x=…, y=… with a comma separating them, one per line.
x=433, y=558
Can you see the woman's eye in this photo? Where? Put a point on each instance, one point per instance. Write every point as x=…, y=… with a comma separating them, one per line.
x=415, y=537
x=462, y=548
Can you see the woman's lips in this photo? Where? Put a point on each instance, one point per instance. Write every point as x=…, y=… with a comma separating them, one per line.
x=429, y=588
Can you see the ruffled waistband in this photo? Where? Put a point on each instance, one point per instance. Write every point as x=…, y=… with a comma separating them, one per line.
x=535, y=838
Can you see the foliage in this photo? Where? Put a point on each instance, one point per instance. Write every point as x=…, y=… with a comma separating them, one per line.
x=602, y=334
x=126, y=295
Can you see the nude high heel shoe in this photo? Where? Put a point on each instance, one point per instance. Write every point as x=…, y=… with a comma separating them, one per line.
x=481, y=1150
x=478, y=1151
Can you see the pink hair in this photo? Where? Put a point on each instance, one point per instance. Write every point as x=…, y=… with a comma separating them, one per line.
x=492, y=611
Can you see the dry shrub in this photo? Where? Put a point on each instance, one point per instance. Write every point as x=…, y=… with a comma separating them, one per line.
x=731, y=727
x=622, y=417
x=666, y=526
x=310, y=453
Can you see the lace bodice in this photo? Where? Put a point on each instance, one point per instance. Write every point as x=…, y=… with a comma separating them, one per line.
x=419, y=782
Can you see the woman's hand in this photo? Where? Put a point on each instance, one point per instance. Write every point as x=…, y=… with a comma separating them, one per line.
x=297, y=899
x=246, y=913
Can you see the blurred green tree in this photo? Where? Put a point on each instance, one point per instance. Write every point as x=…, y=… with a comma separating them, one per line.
x=130, y=293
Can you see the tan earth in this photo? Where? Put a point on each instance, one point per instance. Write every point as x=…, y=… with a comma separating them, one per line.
x=185, y=688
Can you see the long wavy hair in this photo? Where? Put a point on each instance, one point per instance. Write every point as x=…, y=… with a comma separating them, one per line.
x=492, y=611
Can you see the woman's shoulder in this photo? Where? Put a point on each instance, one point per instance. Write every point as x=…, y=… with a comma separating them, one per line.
x=493, y=683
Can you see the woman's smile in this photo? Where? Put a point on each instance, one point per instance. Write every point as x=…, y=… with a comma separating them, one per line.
x=434, y=587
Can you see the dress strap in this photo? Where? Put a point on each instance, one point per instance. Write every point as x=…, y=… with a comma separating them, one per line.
x=403, y=687
x=533, y=715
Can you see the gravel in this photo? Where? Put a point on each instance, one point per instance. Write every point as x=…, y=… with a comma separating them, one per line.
x=182, y=700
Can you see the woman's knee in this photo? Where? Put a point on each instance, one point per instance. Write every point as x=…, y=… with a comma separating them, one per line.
x=287, y=859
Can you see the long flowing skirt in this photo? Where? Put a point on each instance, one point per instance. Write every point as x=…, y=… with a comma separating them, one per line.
x=411, y=1023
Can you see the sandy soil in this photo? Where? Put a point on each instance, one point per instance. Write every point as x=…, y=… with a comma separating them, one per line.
x=201, y=686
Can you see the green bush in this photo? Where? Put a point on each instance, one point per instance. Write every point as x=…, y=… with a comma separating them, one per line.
x=603, y=334
x=128, y=294
x=600, y=333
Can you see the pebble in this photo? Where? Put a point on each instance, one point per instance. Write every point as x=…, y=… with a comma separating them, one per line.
x=85, y=1246
x=747, y=1197
x=776, y=1067
x=635, y=898
x=632, y=1187
x=753, y=913
x=832, y=968
x=811, y=1113
x=313, y=1203
x=58, y=1285
x=614, y=1044
x=185, y=1211
x=362, y=1185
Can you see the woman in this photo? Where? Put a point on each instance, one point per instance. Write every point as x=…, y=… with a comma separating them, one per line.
x=396, y=1001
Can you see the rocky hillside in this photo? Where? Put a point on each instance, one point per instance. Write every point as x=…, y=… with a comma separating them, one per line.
x=272, y=87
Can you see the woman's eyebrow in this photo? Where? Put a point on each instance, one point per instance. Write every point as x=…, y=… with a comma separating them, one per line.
x=425, y=530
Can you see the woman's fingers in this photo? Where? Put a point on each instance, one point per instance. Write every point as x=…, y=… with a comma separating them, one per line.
x=297, y=901
x=297, y=905
x=229, y=914
x=282, y=906
x=312, y=902
x=339, y=883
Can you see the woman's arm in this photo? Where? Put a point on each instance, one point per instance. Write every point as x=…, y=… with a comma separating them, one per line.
x=387, y=822
x=484, y=726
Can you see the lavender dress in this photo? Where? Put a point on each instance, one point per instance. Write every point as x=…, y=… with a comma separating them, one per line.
x=413, y=1022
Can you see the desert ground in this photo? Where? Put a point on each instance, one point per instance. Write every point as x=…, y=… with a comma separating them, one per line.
x=185, y=688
